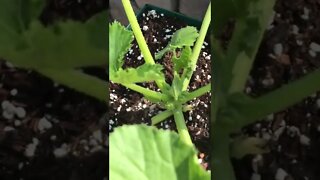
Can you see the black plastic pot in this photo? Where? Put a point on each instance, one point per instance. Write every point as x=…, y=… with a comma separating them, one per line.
x=190, y=21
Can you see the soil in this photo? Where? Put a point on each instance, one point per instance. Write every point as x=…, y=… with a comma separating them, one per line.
x=48, y=131
x=288, y=51
x=129, y=107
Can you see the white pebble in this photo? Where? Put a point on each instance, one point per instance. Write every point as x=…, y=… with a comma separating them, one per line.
x=256, y=176
x=44, y=124
x=318, y=103
x=281, y=174
x=17, y=122
x=20, y=166
x=97, y=135
x=315, y=47
x=5, y=104
x=295, y=29
x=278, y=133
x=145, y=28
x=31, y=148
x=305, y=15
x=268, y=82
x=20, y=112
x=299, y=42
x=53, y=137
x=304, y=140
x=8, y=114
x=14, y=92
x=153, y=13
x=8, y=128
x=93, y=142
x=61, y=152
x=278, y=49
x=312, y=53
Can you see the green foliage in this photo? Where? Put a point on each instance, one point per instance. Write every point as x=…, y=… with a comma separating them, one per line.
x=143, y=73
x=183, y=61
x=119, y=43
x=182, y=37
x=118, y=48
x=151, y=153
x=63, y=46
x=232, y=109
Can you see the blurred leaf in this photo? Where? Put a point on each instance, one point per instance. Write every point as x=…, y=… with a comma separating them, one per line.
x=28, y=44
x=248, y=145
x=142, y=152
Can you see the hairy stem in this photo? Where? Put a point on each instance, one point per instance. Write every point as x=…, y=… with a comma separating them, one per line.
x=84, y=83
x=147, y=92
x=161, y=117
x=250, y=110
x=181, y=126
x=197, y=93
x=187, y=74
x=167, y=113
x=221, y=162
x=140, y=38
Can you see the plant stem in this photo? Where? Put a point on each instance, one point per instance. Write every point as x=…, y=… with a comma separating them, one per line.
x=221, y=162
x=167, y=113
x=161, y=117
x=140, y=38
x=84, y=83
x=251, y=110
x=181, y=126
x=197, y=93
x=147, y=92
x=187, y=74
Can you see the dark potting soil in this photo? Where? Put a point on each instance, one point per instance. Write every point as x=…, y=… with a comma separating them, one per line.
x=129, y=107
x=289, y=51
x=48, y=131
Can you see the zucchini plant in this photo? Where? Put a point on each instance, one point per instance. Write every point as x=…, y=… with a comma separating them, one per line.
x=56, y=51
x=232, y=109
x=173, y=98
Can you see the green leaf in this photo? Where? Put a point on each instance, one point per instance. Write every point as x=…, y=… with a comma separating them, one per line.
x=183, y=61
x=143, y=73
x=183, y=37
x=142, y=152
x=119, y=43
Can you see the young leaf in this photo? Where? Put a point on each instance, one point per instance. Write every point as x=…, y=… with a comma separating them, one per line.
x=176, y=86
x=149, y=153
x=119, y=42
x=184, y=60
x=143, y=73
x=183, y=37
